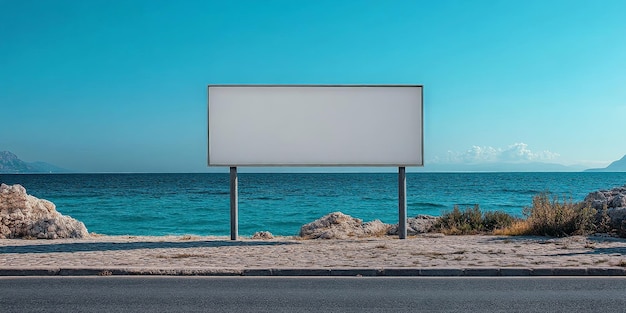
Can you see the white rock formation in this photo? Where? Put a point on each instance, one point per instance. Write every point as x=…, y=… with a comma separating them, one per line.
x=341, y=226
x=262, y=235
x=614, y=201
x=24, y=216
x=416, y=225
x=614, y=198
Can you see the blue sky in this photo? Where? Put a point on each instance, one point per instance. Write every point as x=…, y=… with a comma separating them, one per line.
x=120, y=86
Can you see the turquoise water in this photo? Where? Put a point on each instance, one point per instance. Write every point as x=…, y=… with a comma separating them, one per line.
x=177, y=204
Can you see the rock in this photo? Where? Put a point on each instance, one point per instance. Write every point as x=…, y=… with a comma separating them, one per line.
x=263, y=235
x=416, y=225
x=614, y=198
x=619, y=201
x=617, y=215
x=375, y=228
x=615, y=202
x=341, y=226
x=24, y=216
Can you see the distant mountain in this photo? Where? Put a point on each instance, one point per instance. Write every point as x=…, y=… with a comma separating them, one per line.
x=617, y=166
x=502, y=167
x=11, y=164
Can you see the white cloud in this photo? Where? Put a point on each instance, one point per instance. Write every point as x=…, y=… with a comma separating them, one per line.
x=515, y=153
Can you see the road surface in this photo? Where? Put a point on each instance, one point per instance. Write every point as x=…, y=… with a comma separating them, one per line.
x=311, y=294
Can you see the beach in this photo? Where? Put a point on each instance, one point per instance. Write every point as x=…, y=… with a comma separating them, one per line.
x=582, y=255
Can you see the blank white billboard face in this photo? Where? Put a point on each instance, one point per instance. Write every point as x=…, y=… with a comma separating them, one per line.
x=255, y=125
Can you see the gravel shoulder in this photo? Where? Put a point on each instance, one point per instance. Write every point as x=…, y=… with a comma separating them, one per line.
x=424, y=251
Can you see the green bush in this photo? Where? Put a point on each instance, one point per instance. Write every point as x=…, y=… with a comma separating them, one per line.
x=472, y=221
x=497, y=220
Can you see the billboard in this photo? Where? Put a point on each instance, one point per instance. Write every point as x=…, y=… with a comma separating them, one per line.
x=315, y=125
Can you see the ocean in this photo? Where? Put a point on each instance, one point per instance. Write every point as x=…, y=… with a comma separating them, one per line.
x=198, y=204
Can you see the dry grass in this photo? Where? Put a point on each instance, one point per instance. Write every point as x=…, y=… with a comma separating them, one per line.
x=105, y=273
x=181, y=256
x=518, y=228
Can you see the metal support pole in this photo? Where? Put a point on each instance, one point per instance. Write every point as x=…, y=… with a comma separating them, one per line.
x=402, y=202
x=234, y=206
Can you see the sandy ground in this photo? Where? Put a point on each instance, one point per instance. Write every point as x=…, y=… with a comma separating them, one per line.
x=425, y=251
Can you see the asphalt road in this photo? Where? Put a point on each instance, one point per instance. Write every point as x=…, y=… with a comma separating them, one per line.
x=311, y=294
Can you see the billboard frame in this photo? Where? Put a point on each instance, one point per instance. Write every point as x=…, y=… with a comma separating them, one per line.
x=402, y=200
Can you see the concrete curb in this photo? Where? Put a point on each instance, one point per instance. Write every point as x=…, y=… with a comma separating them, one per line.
x=323, y=272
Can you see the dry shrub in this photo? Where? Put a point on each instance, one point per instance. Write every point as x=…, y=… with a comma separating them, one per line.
x=552, y=217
